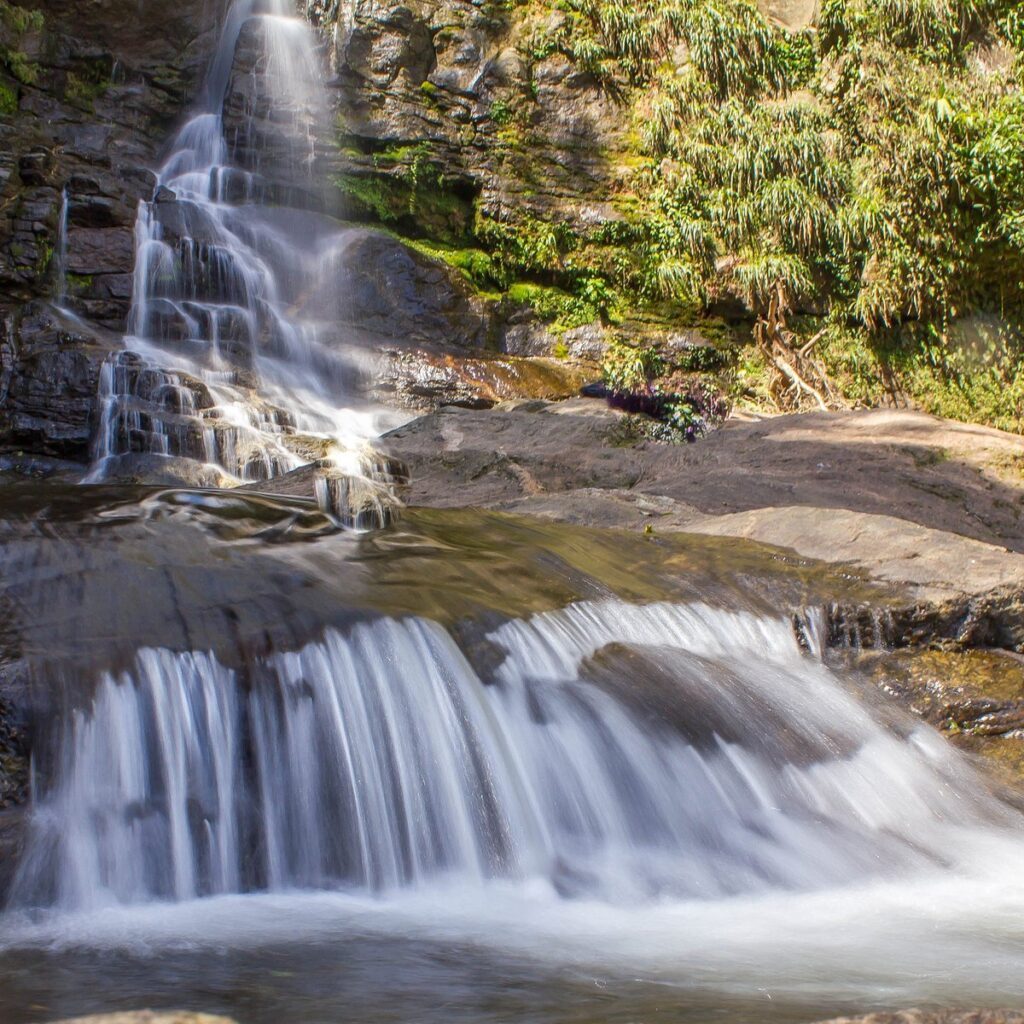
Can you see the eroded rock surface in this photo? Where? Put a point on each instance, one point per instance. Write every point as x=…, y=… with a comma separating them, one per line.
x=932, y=506
x=105, y=84
x=936, y=1017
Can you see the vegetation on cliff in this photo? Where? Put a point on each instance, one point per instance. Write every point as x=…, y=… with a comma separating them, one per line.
x=871, y=171
x=849, y=195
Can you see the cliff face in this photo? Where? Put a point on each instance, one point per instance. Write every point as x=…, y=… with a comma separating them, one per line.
x=88, y=92
x=777, y=179
x=540, y=181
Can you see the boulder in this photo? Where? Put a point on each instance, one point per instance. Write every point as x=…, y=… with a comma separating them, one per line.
x=390, y=290
x=49, y=384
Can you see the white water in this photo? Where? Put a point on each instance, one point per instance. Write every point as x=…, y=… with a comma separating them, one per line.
x=379, y=761
x=764, y=834
x=226, y=364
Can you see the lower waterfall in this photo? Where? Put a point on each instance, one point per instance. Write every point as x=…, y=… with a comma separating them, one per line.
x=618, y=752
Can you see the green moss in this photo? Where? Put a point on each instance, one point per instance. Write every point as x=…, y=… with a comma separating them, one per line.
x=84, y=87
x=8, y=100
x=374, y=197
x=413, y=197
x=16, y=22
x=502, y=112
x=474, y=264
x=44, y=259
x=79, y=283
x=562, y=310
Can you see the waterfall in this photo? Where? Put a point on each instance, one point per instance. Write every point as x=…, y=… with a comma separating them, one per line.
x=618, y=752
x=232, y=370
x=60, y=253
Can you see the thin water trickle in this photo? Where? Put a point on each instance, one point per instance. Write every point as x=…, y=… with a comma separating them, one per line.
x=60, y=253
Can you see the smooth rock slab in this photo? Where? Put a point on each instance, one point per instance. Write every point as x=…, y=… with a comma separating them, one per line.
x=936, y=1017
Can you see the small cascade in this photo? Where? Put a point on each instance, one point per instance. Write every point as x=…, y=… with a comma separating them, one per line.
x=232, y=370
x=60, y=253
x=619, y=752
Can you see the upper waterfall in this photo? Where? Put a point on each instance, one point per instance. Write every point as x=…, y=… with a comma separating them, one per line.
x=229, y=373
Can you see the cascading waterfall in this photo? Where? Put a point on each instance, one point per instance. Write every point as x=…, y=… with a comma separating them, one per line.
x=619, y=752
x=231, y=368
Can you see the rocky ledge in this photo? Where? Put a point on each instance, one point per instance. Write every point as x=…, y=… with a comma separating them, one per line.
x=931, y=510
x=149, y=1017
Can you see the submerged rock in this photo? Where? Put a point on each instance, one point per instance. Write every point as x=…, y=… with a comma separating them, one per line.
x=976, y=697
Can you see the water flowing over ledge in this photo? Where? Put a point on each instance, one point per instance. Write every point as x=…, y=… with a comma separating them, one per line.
x=618, y=752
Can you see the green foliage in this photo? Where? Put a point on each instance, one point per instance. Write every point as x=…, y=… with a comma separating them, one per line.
x=8, y=100
x=82, y=91
x=372, y=195
x=79, y=283
x=868, y=170
x=640, y=380
x=16, y=22
x=527, y=245
x=562, y=310
x=502, y=113
x=409, y=191
x=628, y=368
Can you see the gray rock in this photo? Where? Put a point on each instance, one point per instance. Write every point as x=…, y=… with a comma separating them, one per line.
x=391, y=290
x=149, y=1017
x=936, y=1017
x=49, y=379
x=866, y=490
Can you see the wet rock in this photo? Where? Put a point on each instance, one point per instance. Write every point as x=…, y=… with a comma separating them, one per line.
x=942, y=532
x=421, y=379
x=670, y=693
x=390, y=290
x=936, y=1017
x=109, y=81
x=93, y=251
x=976, y=697
x=49, y=379
x=14, y=762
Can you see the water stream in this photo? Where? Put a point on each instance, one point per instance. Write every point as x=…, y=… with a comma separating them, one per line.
x=466, y=769
x=483, y=800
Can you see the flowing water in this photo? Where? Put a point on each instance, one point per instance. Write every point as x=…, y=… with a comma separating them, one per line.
x=465, y=768
x=229, y=371
x=527, y=800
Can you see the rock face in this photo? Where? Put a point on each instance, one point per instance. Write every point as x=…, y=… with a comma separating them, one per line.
x=100, y=86
x=930, y=507
x=429, y=71
x=387, y=289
